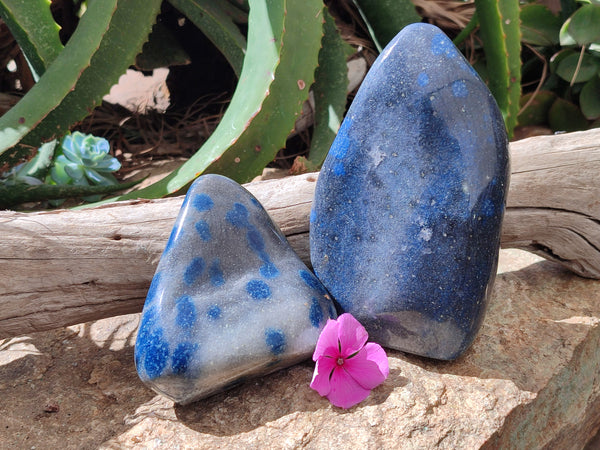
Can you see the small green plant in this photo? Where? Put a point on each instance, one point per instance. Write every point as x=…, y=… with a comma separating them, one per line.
x=82, y=167
x=84, y=161
x=569, y=46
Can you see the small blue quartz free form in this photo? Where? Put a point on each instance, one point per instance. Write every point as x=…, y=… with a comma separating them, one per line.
x=405, y=226
x=230, y=299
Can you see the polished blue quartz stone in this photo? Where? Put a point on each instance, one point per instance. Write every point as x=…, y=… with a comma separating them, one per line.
x=405, y=226
x=230, y=298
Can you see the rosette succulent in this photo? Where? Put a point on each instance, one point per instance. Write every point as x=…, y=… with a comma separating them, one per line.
x=84, y=161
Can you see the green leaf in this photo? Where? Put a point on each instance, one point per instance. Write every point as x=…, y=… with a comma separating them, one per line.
x=568, y=69
x=536, y=111
x=212, y=18
x=565, y=38
x=32, y=25
x=589, y=99
x=500, y=33
x=331, y=83
x=539, y=26
x=11, y=196
x=39, y=165
x=109, y=35
x=161, y=50
x=385, y=18
x=584, y=25
x=566, y=116
x=283, y=44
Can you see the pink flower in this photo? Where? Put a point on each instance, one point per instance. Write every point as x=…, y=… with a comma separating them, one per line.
x=346, y=368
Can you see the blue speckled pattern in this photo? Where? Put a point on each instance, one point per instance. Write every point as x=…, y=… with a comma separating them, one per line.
x=405, y=226
x=230, y=298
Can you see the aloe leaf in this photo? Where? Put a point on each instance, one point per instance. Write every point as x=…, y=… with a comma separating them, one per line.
x=331, y=83
x=13, y=195
x=501, y=36
x=105, y=43
x=36, y=32
x=385, y=18
x=283, y=44
x=213, y=19
x=161, y=50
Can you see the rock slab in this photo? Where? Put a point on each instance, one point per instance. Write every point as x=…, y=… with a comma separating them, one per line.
x=230, y=299
x=405, y=225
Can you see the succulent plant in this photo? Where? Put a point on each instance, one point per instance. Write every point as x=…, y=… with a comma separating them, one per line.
x=84, y=161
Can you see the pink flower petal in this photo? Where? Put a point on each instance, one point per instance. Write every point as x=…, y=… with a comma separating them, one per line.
x=320, y=381
x=327, y=344
x=345, y=391
x=369, y=367
x=351, y=333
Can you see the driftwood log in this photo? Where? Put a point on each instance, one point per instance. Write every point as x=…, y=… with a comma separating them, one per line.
x=63, y=267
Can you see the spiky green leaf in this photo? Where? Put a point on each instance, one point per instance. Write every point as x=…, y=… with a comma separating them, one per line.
x=213, y=19
x=105, y=43
x=32, y=25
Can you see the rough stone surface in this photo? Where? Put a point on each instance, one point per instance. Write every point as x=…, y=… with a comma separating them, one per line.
x=230, y=299
x=405, y=226
x=531, y=379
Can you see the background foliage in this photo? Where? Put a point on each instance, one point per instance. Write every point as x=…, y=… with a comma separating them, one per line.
x=269, y=59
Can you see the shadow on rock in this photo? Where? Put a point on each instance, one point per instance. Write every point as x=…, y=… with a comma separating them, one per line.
x=535, y=319
x=262, y=400
x=69, y=388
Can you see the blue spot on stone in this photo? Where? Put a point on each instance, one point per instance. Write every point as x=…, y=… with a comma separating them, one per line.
x=316, y=313
x=215, y=273
x=214, y=312
x=238, y=216
x=268, y=270
x=338, y=169
x=339, y=148
x=258, y=289
x=156, y=354
x=175, y=233
x=459, y=89
x=312, y=281
x=193, y=271
x=186, y=312
x=153, y=290
x=423, y=79
x=255, y=202
x=255, y=240
x=275, y=340
x=203, y=230
x=181, y=357
x=441, y=45
x=202, y=202
x=313, y=215
x=309, y=279
x=144, y=331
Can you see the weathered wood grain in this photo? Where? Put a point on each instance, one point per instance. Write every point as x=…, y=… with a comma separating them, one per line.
x=64, y=267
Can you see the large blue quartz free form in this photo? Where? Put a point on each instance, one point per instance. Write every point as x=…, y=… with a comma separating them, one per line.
x=405, y=226
x=230, y=299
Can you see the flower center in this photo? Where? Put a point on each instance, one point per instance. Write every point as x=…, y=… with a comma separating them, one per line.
x=340, y=361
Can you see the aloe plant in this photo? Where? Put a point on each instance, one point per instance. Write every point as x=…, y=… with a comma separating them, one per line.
x=501, y=36
x=31, y=23
x=105, y=43
x=284, y=39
